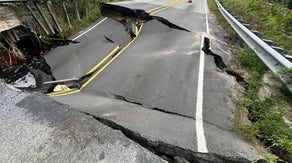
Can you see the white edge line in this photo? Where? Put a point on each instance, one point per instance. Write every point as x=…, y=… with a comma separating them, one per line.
x=83, y=33
x=207, y=20
x=201, y=140
x=207, y=23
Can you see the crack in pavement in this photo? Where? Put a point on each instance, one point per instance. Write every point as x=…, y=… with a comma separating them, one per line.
x=124, y=15
x=167, y=151
x=122, y=98
x=220, y=64
x=129, y=18
x=215, y=125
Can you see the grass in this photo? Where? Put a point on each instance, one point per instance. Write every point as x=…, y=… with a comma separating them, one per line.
x=273, y=21
x=77, y=25
x=271, y=116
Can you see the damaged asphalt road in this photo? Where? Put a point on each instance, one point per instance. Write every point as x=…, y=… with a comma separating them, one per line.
x=34, y=128
x=150, y=92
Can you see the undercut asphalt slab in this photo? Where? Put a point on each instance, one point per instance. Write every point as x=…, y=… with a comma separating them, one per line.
x=35, y=128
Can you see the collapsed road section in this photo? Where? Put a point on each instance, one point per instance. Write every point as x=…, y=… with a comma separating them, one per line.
x=149, y=92
x=120, y=27
x=23, y=50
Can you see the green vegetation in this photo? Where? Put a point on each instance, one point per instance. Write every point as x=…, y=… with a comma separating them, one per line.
x=271, y=114
x=77, y=25
x=287, y=3
x=273, y=21
x=85, y=21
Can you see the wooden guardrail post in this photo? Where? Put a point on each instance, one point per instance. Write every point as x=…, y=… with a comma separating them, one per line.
x=86, y=7
x=76, y=9
x=35, y=17
x=53, y=16
x=66, y=14
x=95, y=3
x=44, y=17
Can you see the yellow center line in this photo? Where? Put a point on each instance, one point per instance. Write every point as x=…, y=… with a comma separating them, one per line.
x=91, y=70
x=68, y=93
x=154, y=9
x=160, y=7
x=104, y=59
x=55, y=93
x=100, y=70
x=105, y=66
x=167, y=6
x=138, y=30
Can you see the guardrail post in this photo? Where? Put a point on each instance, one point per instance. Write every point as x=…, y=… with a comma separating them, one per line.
x=247, y=26
x=53, y=16
x=280, y=50
x=44, y=17
x=95, y=3
x=86, y=7
x=66, y=14
x=289, y=57
x=257, y=33
x=35, y=17
x=270, y=42
x=76, y=9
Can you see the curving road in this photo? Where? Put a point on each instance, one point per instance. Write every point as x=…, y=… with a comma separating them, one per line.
x=162, y=87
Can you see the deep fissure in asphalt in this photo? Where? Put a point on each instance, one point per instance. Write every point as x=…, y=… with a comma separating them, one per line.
x=168, y=152
x=124, y=15
x=220, y=63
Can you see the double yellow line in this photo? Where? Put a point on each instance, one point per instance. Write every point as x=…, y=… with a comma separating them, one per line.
x=103, y=64
x=70, y=91
x=166, y=6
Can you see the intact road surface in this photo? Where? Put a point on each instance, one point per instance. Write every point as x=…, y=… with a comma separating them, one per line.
x=159, y=88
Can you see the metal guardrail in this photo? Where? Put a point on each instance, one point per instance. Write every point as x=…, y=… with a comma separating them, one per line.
x=271, y=58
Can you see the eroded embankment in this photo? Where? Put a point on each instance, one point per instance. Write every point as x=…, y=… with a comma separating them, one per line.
x=25, y=55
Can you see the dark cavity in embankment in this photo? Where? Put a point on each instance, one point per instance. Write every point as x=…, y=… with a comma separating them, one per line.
x=23, y=53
